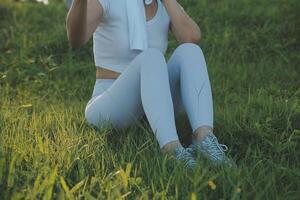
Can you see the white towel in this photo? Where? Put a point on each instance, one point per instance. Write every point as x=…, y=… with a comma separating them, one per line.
x=137, y=24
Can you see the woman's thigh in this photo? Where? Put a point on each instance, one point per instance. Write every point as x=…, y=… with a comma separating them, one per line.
x=121, y=102
x=174, y=79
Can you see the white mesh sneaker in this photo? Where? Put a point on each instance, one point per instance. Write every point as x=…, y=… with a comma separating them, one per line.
x=185, y=156
x=211, y=149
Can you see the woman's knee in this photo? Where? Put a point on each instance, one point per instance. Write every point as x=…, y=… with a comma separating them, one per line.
x=92, y=118
x=102, y=118
x=189, y=48
x=97, y=121
x=190, y=55
x=188, y=51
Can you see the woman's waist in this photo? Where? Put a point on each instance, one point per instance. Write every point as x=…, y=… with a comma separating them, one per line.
x=103, y=73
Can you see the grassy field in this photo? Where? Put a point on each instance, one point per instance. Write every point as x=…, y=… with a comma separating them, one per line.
x=47, y=151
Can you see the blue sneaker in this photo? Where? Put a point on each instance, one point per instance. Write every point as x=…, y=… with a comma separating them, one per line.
x=211, y=149
x=185, y=155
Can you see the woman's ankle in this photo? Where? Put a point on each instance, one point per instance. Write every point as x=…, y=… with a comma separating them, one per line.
x=201, y=132
x=171, y=146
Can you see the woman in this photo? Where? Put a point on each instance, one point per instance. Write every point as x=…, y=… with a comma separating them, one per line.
x=132, y=83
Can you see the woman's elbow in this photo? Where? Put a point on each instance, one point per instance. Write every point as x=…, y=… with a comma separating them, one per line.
x=199, y=36
x=196, y=37
x=192, y=39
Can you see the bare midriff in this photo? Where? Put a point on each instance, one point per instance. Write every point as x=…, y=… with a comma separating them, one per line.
x=102, y=73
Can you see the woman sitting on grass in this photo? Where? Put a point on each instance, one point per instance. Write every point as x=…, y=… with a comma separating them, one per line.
x=133, y=79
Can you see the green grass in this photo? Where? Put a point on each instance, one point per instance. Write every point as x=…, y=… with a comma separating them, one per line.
x=48, y=151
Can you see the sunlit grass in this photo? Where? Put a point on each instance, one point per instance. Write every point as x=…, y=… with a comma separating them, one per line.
x=48, y=151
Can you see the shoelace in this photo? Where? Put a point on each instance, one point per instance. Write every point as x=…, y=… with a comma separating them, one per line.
x=213, y=150
x=210, y=144
x=184, y=155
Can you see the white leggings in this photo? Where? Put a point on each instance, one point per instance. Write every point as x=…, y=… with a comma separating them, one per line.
x=158, y=89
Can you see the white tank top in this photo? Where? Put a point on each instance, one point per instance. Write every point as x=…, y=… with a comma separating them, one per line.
x=111, y=43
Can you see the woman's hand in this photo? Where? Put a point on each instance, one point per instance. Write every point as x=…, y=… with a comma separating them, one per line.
x=82, y=20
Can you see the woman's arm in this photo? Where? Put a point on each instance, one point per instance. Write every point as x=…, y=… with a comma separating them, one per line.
x=82, y=20
x=183, y=27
